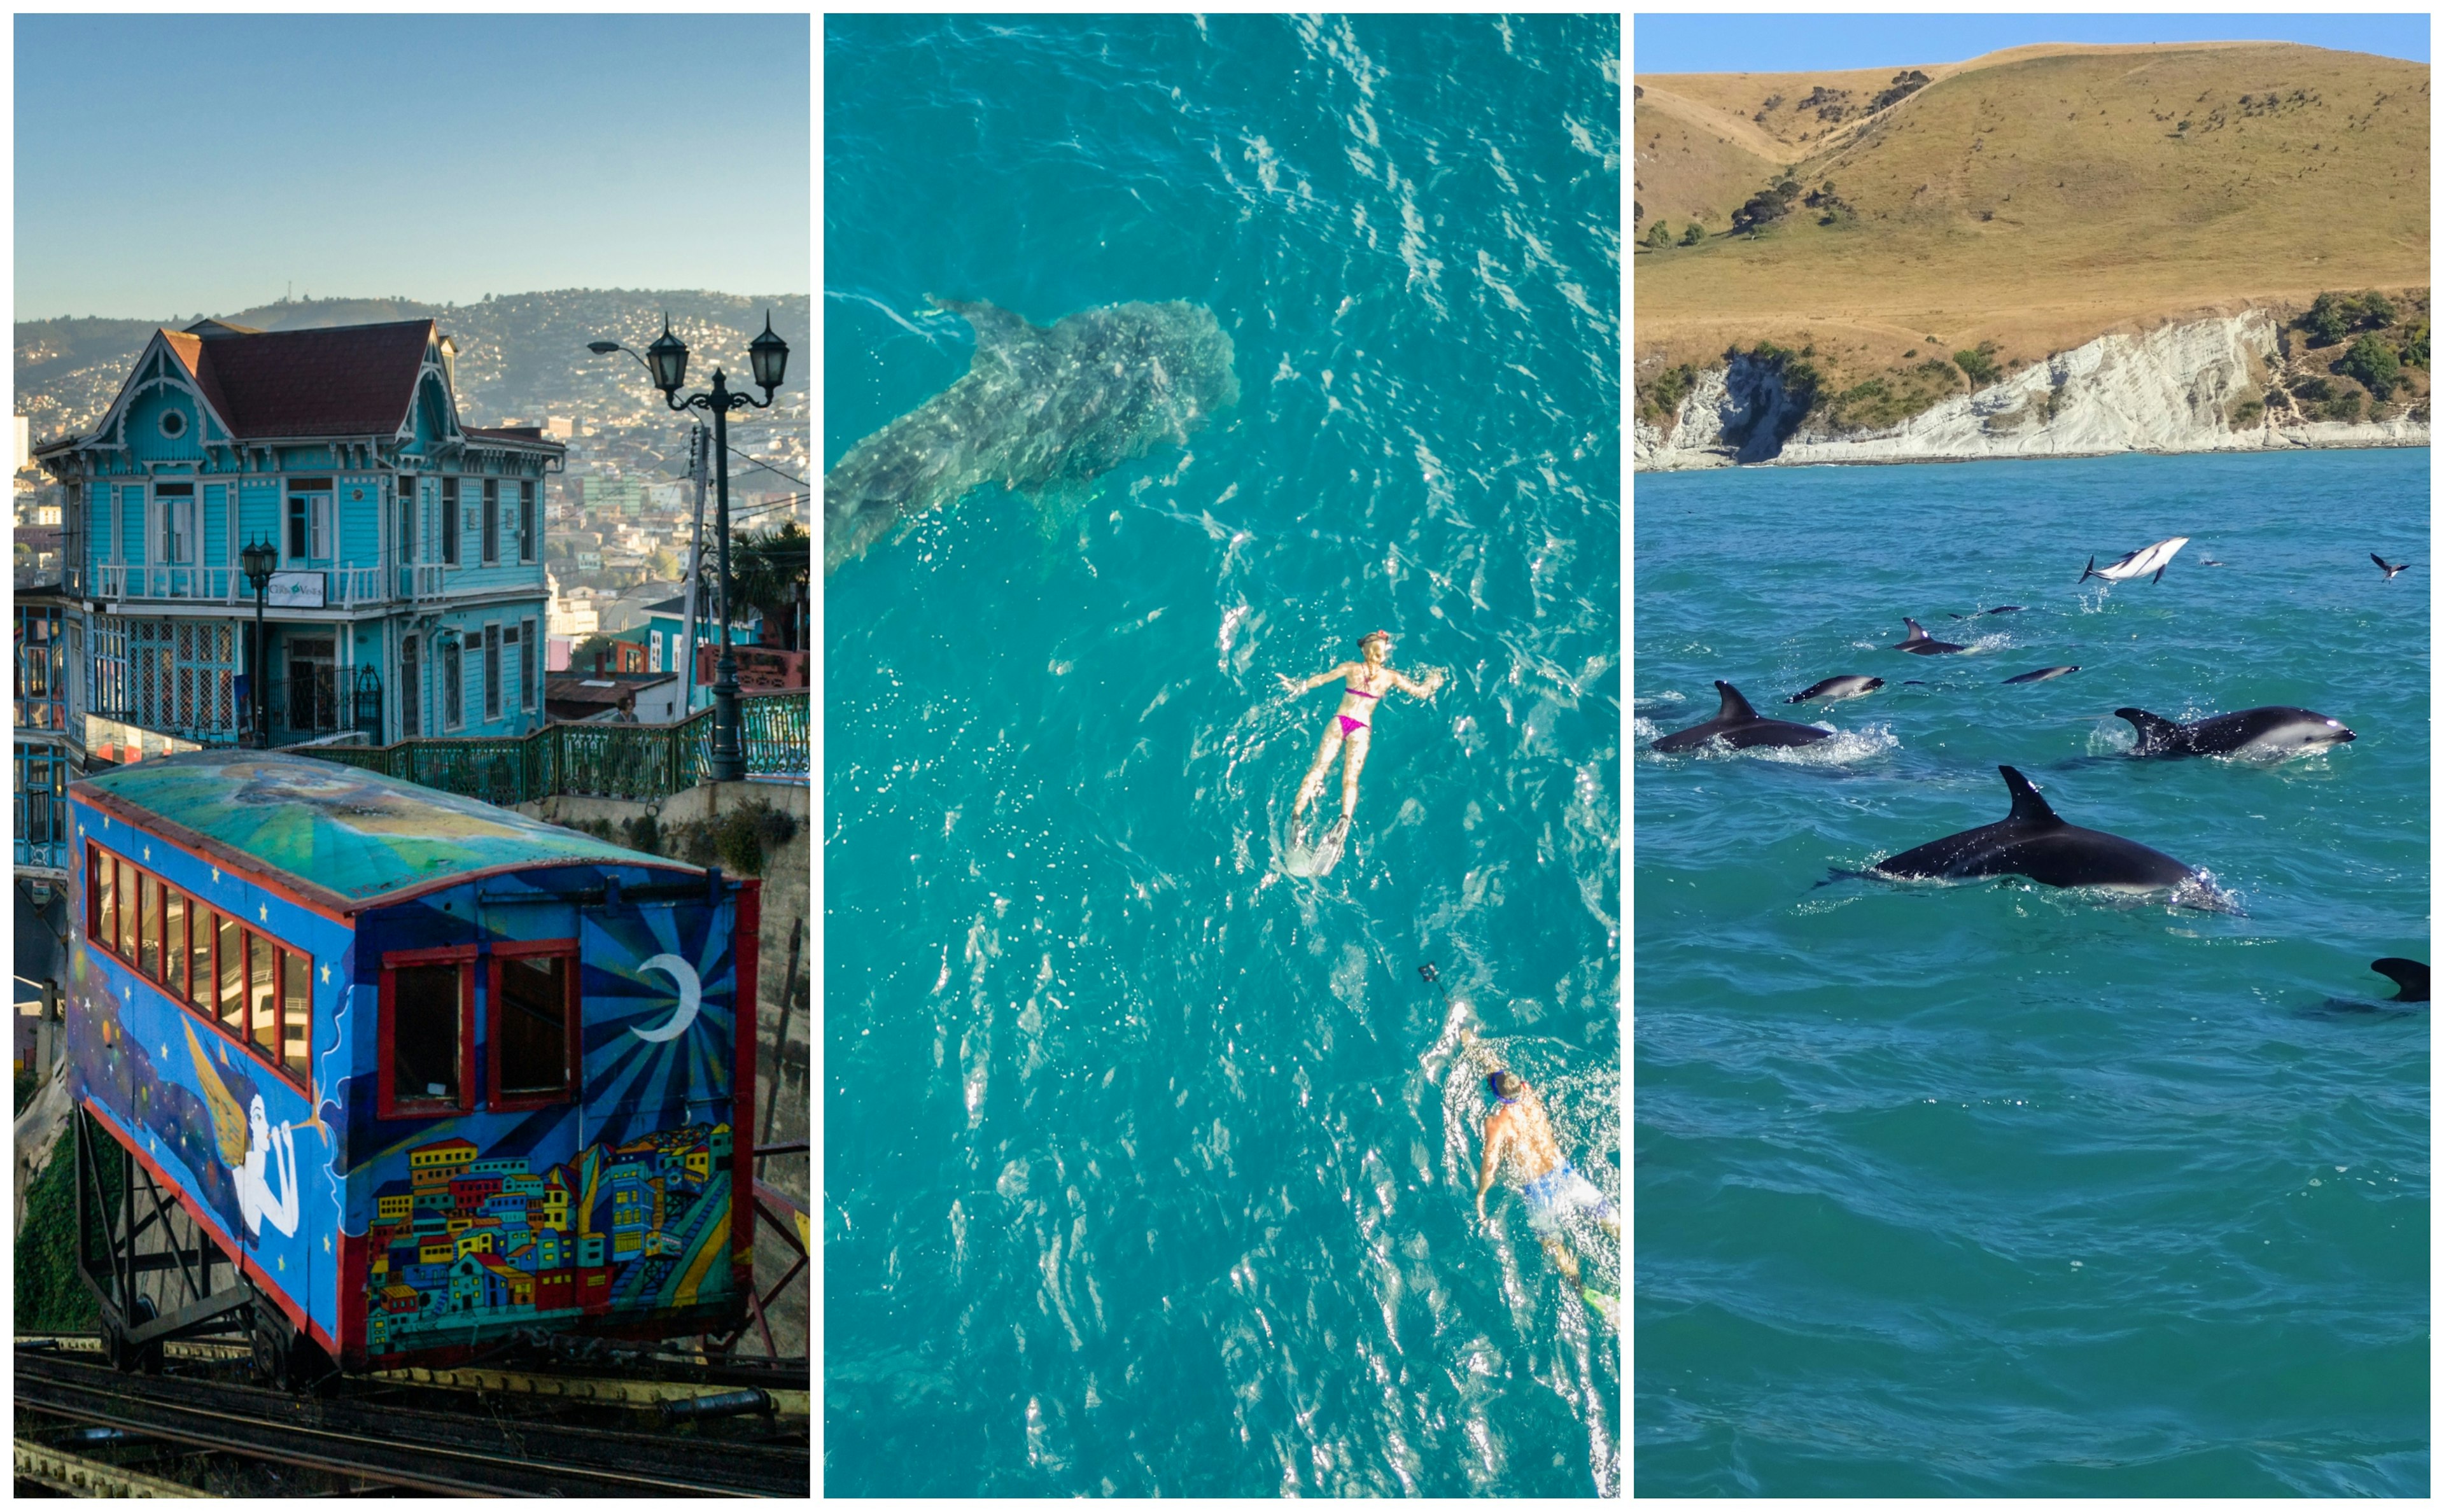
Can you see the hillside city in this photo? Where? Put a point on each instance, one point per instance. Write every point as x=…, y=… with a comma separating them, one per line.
x=617, y=521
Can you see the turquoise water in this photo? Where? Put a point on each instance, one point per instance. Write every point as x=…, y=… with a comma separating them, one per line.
x=1148, y=1170
x=1993, y=1189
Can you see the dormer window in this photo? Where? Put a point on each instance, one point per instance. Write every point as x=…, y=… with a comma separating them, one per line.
x=173, y=423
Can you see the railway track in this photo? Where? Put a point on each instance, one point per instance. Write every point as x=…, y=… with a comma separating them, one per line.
x=375, y=1432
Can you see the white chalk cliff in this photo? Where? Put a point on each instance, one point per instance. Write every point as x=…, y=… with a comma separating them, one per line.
x=2172, y=390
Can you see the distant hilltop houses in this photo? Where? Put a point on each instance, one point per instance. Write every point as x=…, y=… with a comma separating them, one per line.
x=639, y=1225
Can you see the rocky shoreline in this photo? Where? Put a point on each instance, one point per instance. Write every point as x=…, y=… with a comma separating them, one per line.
x=2172, y=390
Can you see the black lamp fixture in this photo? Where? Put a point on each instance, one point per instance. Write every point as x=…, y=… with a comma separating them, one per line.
x=258, y=562
x=767, y=358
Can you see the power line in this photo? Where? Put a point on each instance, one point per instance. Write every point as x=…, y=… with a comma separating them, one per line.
x=769, y=468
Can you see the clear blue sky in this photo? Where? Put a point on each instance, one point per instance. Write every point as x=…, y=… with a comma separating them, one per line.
x=1725, y=42
x=192, y=164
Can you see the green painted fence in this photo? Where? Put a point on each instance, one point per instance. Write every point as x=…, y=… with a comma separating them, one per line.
x=643, y=762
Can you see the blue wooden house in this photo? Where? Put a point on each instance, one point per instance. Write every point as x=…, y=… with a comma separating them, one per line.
x=409, y=598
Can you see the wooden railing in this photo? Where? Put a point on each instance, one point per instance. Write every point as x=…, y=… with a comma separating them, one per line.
x=641, y=762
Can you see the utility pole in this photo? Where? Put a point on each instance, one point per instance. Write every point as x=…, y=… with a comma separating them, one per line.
x=694, y=572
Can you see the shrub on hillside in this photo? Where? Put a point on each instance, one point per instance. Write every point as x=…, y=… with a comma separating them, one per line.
x=1765, y=207
x=1659, y=238
x=1978, y=365
x=1694, y=234
x=2373, y=361
x=1905, y=83
x=2413, y=347
x=2333, y=316
x=2343, y=406
x=1658, y=400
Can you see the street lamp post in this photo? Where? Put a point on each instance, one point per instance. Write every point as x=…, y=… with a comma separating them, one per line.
x=258, y=562
x=767, y=358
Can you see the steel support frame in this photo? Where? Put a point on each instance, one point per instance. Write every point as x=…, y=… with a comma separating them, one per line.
x=141, y=1208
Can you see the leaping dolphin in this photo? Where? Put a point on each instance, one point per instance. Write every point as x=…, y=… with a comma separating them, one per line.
x=2036, y=844
x=1739, y=727
x=2275, y=732
x=1037, y=405
x=2138, y=563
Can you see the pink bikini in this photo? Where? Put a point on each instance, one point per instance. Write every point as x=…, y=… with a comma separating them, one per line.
x=1349, y=726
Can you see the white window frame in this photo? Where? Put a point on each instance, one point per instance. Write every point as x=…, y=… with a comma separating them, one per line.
x=490, y=546
x=175, y=514
x=530, y=531
x=454, y=522
x=407, y=531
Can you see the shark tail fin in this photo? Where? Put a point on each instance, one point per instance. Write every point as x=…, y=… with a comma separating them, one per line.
x=2155, y=733
x=2090, y=572
x=2027, y=806
x=2410, y=976
x=1734, y=707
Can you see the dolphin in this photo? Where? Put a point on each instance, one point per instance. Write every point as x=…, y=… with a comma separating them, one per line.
x=2410, y=976
x=1833, y=689
x=2391, y=568
x=1921, y=644
x=1739, y=727
x=2002, y=609
x=2040, y=674
x=2035, y=843
x=2138, y=563
x=1037, y=406
x=2277, y=730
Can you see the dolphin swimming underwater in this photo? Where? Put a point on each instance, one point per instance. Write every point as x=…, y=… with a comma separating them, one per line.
x=1037, y=405
x=2138, y=563
x=2409, y=976
x=2277, y=730
x=1920, y=643
x=1739, y=727
x=2037, y=843
x=2040, y=674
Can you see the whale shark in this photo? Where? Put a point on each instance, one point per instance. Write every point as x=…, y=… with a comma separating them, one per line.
x=1037, y=406
x=2273, y=732
x=1738, y=725
x=2035, y=843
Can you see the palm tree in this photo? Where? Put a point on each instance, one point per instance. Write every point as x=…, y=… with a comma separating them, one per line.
x=770, y=573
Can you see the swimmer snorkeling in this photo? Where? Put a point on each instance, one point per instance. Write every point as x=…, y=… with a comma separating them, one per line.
x=1554, y=1188
x=1364, y=682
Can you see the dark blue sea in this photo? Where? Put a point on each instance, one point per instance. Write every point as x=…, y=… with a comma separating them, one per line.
x=1149, y=1166
x=1994, y=1189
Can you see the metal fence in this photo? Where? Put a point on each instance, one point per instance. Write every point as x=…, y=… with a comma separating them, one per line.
x=641, y=762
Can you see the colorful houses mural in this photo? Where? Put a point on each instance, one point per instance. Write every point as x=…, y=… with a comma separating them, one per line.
x=467, y=1238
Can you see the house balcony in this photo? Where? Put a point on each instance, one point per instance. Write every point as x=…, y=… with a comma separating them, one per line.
x=128, y=589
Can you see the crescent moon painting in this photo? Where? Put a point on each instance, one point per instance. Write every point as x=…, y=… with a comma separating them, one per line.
x=690, y=994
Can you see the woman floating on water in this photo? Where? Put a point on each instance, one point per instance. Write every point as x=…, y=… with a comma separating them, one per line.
x=1362, y=684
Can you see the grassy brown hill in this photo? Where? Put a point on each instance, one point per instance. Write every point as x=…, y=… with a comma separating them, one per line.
x=2026, y=201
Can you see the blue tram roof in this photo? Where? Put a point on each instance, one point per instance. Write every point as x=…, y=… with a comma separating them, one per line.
x=333, y=829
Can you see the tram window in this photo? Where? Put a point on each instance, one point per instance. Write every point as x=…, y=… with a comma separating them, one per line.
x=424, y=1023
x=264, y=1014
x=200, y=955
x=148, y=944
x=296, y=1011
x=533, y=1024
x=101, y=871
x=232, y=959
x=127, y=911
x=174, y=941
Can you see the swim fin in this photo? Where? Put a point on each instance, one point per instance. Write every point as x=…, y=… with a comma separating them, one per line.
x=1605, y=1305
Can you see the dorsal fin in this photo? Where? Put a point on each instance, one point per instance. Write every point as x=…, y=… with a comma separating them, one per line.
x=2027, y=806
x=1734, y=707
x=2410, y=976
x=996, y=329
x=2155, y=733
x=1918, y=631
